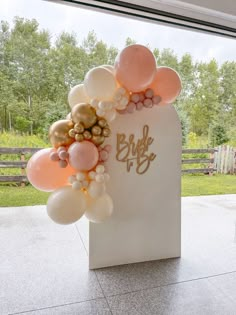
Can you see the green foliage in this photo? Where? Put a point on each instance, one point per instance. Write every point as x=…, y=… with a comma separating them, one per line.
x=184, y=126
x=36, y=75
x=217, y=135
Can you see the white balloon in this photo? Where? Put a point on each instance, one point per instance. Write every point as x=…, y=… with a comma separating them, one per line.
x=110, y=115
x=68, y=116
x=77, y=95
x=96, y=189
x=100, y=83
x=66, y=205
x=99, y=209
x=110, y=68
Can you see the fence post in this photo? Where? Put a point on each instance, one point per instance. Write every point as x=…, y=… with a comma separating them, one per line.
x=211, y=165
x=22, y=158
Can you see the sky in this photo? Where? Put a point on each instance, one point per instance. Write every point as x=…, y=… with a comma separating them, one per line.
x=115, y=29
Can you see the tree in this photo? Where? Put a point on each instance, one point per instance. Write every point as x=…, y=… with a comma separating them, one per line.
x=217, y=135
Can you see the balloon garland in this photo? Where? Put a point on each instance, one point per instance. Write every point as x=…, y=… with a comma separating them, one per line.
x=74, y=169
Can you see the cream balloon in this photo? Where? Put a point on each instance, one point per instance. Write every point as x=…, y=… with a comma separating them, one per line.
x=110, y=68
x=110, y=115
x=77, y=95
x=66, y=205
x=100, y=83
x=99, y=209
x=96, y=189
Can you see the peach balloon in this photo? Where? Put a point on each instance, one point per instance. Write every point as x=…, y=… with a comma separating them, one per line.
x=135, y=68
x=45, y=174
x=83, y=155
x=166, y=84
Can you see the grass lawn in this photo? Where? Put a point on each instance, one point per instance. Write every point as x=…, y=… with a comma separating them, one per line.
x=200, y=185
x=192, y=185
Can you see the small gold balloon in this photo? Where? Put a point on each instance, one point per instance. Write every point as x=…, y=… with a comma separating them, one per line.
x=106, y=132
x=79, y=128
x=79, y=137
x=96, y=130
x=59, y=133
x=87, y=135
x=72, y=133
x=97, y=140
x=102, y=123
x=84, y=113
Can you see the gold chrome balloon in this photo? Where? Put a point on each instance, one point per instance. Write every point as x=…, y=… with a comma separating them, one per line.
x=87, y=135
x=79, y=128
x=79, y=137
x=72, y=133
x=59, y=133
x=84, y=113
x=106, y=132
x=97, y=140
x=102, y=122
x=96, y=130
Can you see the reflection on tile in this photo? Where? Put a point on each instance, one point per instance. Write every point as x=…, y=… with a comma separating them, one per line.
x=194, y=297
x=94, y=307
x=208, y=248
x=42, y=264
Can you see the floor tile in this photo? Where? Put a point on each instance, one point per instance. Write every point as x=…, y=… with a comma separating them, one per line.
x=42, y=264
x=95, y=307
x=226, y=284
x=194, y=297
x=208, y=249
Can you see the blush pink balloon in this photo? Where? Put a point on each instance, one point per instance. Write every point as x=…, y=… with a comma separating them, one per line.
x=83, y=155
x=166, y=84
x=45, y=174
x=135, y=68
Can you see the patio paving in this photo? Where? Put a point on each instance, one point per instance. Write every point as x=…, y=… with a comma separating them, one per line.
x=44, y=267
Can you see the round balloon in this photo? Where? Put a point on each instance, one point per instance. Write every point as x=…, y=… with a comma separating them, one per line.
x=96, y=189
x=83, y=155
x=110, y=68
x=77, y=95
x=84, y=113
x=166, y=84
x=45, y=174
x=59, y=133
x=100, y=83
x=66, y=205
x=99, y=209
x=135, y=68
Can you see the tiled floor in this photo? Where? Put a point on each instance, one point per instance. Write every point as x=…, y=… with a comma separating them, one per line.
x=44, y=267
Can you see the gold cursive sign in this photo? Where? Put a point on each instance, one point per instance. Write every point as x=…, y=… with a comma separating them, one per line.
x=129, y=151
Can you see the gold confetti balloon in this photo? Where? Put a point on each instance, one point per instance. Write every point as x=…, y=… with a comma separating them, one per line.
x=59, y=133
x=85, y=114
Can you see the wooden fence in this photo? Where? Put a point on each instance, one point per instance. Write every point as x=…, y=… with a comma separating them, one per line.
x=225, y=160
x=21, y=152
x=207, y=162
x=220, y=160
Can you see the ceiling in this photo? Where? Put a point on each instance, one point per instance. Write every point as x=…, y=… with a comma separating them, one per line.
x=212, y=16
